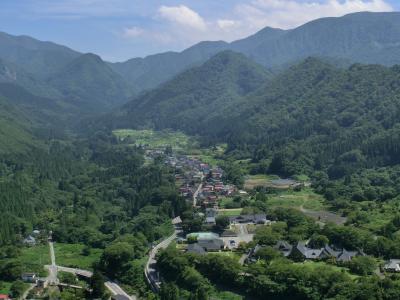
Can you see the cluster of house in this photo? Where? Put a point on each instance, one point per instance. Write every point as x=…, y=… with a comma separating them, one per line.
x=214, y=188
x=301, y=251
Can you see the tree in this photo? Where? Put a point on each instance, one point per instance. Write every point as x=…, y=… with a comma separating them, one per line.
x=17, y=289
x=268, y=253
x=169, y=291
x=115, y=256
x=221, y=222
x=318, y=241
x=97, y=284
x=362, y=265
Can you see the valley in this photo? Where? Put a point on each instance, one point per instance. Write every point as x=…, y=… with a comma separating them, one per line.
x=266, y=167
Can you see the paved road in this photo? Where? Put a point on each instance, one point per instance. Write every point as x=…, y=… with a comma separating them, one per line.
x=196, y=193
x=112, y=286
x=52, y=277
x=26, y=293
x=150, y=269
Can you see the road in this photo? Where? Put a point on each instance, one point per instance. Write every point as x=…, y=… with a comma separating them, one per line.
x=52, y=277
x=112, y=286
x=150, y=269
x=196, y=193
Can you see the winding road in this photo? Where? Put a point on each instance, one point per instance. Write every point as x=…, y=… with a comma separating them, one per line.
x=150, y=271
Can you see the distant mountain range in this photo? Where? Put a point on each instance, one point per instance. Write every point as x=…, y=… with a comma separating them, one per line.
x=360, y=37
x=208, y=83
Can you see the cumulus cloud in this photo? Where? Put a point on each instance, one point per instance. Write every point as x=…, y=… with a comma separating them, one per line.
x=133, y=32
x=247, y=17
x=227, y=24
x=291, y=13
x=183, y=16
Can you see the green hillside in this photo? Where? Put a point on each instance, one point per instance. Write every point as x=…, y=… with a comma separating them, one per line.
x=36, y=57
x=187, y=100
x=90, y=83
x=15, y=135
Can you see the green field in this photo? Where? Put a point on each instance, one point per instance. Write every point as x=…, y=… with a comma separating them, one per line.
x=33, y=259
x=306, y=198
x=70, y=255
x=153, y=139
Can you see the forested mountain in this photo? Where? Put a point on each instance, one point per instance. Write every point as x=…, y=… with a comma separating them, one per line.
x=360, y=37
x=88, y=82
x=15, y=130
x=188, y=99
x=11, y=73
x=147, y=73
x=53, y=71
x=36, y=57
x=312, y=117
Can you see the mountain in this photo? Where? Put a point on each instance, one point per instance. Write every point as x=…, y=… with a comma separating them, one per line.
x=146, y=73
x=360, y=37
x=36, y=57
x=188, y=99
x=89, y=83
x=11, y=73
x=15, y=129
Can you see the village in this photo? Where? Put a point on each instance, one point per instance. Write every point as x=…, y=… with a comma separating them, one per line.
x=227, y=230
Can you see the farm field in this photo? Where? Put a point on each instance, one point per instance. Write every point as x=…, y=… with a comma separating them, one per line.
x=71, y=255
x=305, y=198
x=153, y=139
x=253, y=181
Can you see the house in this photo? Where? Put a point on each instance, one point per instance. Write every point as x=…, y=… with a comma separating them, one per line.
x=3, y=296
x=210, y=221
x=29, y=277
x=301, y=251
x=251, y=257
x=392, y=265
x=211, y=212
x=255, y=219
x=195, y=248
x=284, y=247
x=30, y=241
x=211, y=245
x=346, y=256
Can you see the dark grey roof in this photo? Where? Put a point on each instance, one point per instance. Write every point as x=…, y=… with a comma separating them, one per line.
x=214, y=244
x=284, y=247
x=346, y=255
x=257, y=218
x=195, y=248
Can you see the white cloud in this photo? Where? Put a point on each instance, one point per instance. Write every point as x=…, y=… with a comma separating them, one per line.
x=183, y=16
x=291, y=13
x=227, y=24
x=133, y=32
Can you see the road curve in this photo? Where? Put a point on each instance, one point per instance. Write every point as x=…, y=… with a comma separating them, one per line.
x=150, y=271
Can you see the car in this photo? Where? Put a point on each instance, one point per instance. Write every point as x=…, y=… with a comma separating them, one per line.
x=232, y=243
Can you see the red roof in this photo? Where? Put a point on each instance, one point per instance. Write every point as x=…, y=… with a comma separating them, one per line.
x=2, y=296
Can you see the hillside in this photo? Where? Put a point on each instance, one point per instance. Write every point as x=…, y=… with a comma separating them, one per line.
x=360, y=37
x=15, y=130
x=88, y=82
x=36, y=57
x=187, y=100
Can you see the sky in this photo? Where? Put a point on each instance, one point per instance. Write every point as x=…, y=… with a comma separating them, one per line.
x=121, y=29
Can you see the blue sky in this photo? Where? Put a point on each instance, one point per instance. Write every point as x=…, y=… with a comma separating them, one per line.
x=121, y=29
